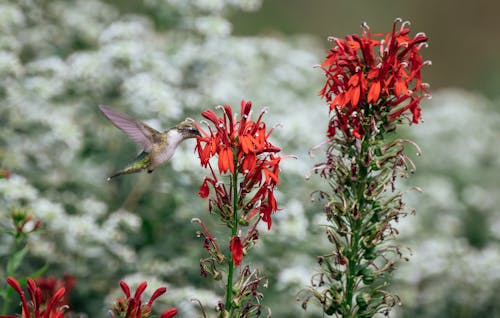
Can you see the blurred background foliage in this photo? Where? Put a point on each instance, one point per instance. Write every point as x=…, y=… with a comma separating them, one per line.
x=164, y=60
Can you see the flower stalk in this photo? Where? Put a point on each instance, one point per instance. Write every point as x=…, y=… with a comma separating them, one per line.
x=37, y=307
x=234, y=229
x=372, y=86
x=132, y=306
x=244, y=154
x=24, y=224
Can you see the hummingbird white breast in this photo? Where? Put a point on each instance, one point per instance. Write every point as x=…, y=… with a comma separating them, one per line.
x=166, y=151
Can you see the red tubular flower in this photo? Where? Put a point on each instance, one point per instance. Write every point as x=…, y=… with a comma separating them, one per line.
x=226, y=160
x=49, y=285
x=140, y=289
x=125, y=288
x=236, y=249
x=17, y=287
x=249, y=165
x=381, y=76
x=241, y=146
x=204, y=189
x=52, y=308
x=132, y=307
x=169, y=313
x=160, y=291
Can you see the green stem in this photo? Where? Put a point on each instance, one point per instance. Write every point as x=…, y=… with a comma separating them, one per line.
x=355, y=222
x=234, y=230
x=352, y=270
x=7, y=293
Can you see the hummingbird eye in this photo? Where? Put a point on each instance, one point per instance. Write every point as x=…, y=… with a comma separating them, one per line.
x=194, y=130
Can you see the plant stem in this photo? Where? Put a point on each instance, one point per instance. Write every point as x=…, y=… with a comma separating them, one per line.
x=355, y=224
x=234, y=230
x=7, y=293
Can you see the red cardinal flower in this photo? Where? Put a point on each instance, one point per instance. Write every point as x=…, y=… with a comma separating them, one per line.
x=49, y=285
x=380, y=75
x=37, y=308
x=236, y=249
x=241, y=145
x=132, y=307
x=169, y=313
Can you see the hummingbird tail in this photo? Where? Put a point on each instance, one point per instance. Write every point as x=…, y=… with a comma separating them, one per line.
x=142, y=161
x=127, y=170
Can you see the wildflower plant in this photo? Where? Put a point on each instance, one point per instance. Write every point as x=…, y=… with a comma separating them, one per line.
x=23, y=223
x=133, y=306
x=38, y=307
x=240, y=192
x=373, y=83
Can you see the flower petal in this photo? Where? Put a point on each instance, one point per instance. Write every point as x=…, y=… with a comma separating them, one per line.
x=236, y=250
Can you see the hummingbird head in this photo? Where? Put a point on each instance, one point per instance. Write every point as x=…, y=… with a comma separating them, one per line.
x=188, y=129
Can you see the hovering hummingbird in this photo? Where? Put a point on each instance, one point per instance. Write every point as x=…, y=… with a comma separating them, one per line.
x=158, y=147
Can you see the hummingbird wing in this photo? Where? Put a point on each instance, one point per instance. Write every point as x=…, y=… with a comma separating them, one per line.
x=136, y=130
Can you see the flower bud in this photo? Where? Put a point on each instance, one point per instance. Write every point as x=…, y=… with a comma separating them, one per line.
x=370, y=253
x=243, y=221
x=368, y=275
x=332, y=308
x=375, y=166
x=363, y=300
x=216, y=275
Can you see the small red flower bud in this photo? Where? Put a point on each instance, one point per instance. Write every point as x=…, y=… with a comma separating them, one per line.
x=169, y=313
x=54, y=301
x=140, y=289
x=160, y=291
x=15, y=284
x=236, y=250
x=125, y=288
x=204, y=190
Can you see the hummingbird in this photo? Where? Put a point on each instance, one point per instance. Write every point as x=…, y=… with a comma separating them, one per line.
x=157, y=147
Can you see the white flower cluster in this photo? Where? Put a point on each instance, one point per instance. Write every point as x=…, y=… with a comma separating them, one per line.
x=65, y=237
x=454, y=235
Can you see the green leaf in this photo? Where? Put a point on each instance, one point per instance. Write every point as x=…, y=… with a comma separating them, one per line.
x=15, y=260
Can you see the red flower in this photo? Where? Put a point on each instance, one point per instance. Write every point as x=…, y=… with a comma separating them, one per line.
x=204, y=189
x=236, y=249
x=241, y=146
x=49, y=285
x=169, y=313
x=226, y=160
x=131, y=307
x=367, y=75
x=37, y=308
